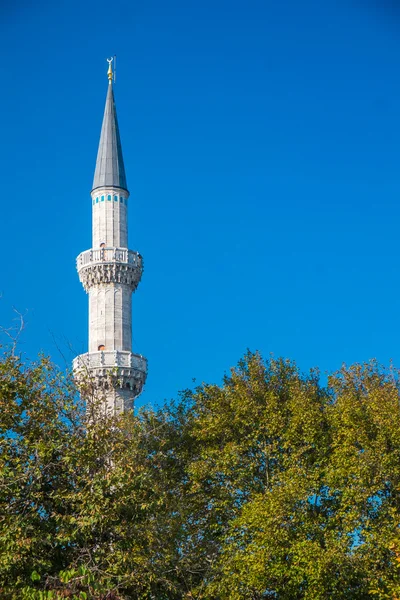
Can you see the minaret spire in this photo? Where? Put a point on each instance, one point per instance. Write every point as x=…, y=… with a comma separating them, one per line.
x=110, y=273
x=110, y=169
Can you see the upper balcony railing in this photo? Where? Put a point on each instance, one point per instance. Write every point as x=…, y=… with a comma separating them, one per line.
x=108, y=255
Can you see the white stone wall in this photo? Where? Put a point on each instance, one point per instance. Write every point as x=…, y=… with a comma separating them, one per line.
x=110, y=218
x=110, y=317
x=110, y=305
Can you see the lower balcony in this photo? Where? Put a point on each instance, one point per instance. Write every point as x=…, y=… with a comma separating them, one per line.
x=112, y=368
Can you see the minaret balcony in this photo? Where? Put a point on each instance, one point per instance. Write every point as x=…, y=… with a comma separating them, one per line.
x=118, y=367
x=109, y=265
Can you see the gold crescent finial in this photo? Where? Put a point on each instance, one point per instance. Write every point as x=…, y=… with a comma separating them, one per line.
x=110, y=71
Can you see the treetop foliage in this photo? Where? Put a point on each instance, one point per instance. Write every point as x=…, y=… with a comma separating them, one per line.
x=270, y=485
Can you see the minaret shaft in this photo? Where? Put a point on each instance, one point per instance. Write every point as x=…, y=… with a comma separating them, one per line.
x=110, y=273
x=109, y=216
x=110, y=322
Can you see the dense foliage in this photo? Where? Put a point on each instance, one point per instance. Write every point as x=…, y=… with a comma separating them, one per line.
x=268, y=486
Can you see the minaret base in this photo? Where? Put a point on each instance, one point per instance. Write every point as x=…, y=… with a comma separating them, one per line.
x=107, y=403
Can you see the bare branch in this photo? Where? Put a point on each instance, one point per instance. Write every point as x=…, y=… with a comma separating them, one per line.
x=14, y=332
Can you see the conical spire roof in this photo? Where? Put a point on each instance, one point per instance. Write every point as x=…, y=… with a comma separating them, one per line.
x=110, y=170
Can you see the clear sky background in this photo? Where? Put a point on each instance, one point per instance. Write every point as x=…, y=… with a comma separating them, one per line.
x=262, y=147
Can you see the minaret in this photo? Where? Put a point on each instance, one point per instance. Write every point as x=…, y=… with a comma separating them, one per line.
x=110, y=273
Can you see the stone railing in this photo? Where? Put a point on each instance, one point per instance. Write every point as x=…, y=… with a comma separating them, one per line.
x=110, y=359
x=108, y=255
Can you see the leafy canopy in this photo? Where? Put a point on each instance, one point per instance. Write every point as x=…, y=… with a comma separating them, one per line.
x=267, y=486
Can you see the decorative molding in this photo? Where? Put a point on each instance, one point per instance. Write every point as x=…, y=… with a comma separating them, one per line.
x=109, y=265
x=108, y=370
x=99, y=274
x=118, y=191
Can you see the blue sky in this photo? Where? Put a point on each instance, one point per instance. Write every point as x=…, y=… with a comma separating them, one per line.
x=262, y=147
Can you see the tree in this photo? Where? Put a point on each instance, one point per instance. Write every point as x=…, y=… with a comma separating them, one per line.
x=267, y=486
x=300, y=481
x=83, y=504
